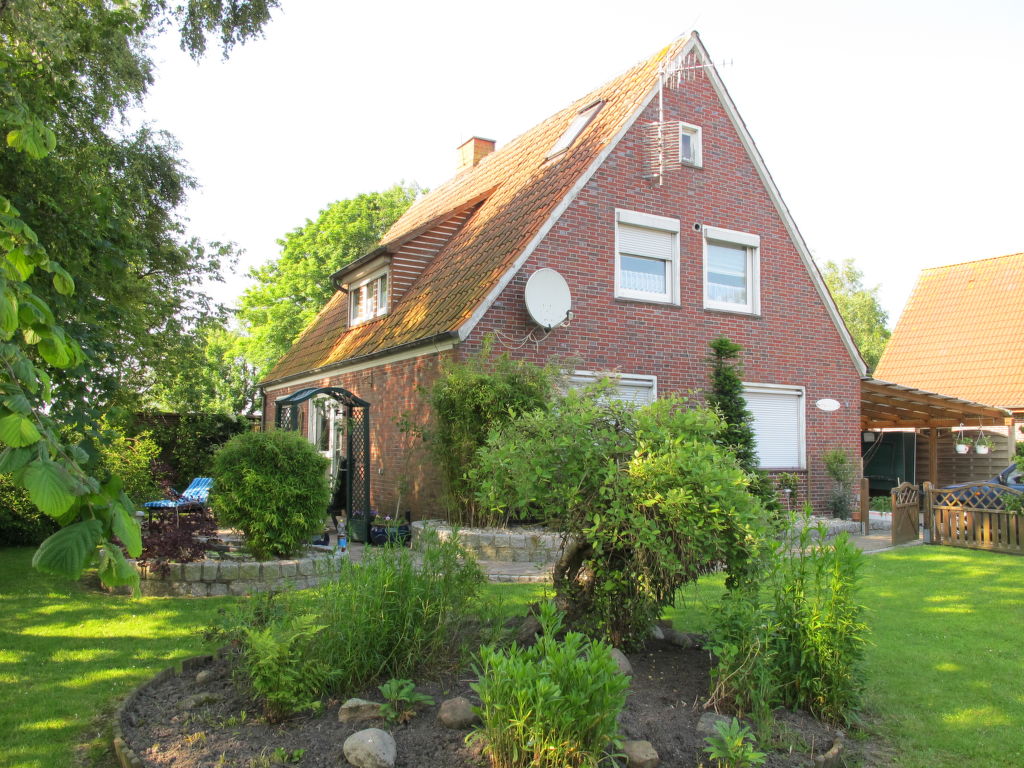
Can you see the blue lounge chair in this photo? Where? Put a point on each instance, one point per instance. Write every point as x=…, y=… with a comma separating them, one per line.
x=191, y=499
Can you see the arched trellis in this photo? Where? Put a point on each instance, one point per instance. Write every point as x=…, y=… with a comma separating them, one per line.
x=352, y=480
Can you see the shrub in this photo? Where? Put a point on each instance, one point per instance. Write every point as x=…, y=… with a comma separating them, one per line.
x=131, y=458
x=468, y=400
x=188, y=443
x=174, y=538
x=384, y=617
x=273, y=486
x=554, y=705
x=646, y=498
x=841, y=470
x=794, y=636
x=732, y=746
x=21, y=523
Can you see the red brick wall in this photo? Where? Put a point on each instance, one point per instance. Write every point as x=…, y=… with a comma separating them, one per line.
x=792, y=341
x=392, y=389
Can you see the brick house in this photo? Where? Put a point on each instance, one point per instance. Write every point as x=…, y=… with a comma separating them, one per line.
x=650, y=199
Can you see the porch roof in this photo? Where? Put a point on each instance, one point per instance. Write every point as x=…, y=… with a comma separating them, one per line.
x=884, y=404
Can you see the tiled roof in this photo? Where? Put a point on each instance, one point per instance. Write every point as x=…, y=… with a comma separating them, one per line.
x=519, y=190
x=959, y=333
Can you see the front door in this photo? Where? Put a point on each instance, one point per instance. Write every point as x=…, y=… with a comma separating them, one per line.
x=327, y=432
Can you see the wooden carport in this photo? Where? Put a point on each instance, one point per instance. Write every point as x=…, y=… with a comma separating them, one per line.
x=886, y=405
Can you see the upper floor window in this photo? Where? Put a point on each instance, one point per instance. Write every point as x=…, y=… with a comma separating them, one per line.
x=690, y=150
x=581, y=121
x=368, y=298
x=646, y=257
x=731, y=270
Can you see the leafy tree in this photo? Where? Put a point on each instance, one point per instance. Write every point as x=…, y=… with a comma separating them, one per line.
x=861, y=310
x=103, y=201
x=291, y=290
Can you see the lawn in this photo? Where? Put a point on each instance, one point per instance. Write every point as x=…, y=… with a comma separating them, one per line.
x=944, y=678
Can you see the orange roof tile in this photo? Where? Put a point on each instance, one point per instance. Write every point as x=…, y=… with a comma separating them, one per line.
x=519, y=190
x=959, y=332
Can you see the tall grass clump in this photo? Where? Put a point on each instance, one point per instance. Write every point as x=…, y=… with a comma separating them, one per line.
x=553, y=705
x=385, y=617
x=794, y=637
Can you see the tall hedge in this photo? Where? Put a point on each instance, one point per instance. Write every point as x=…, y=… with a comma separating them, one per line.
x=273, y=486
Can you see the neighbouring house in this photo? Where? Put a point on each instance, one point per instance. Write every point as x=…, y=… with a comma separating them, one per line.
x=650, y=199
x=956, y=336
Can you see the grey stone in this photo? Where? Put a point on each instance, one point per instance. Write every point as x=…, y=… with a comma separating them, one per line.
x=457, y=714
x=528, y=630
x=621, y=661
x=307, y=567
x=685, y=639
x=657, y=632
x=708, y=723
x=218, y=589
x=640, y=754
x=517, y=541
x=371, y=748
x=210, y=568
x=358, y=710
x=192, y=571
x=270, y=571
x=289, y=568
x=250, y=571
x=229, y=571
x=199, y=589
x=239, y=587
x=197, y=700
x=205, y=676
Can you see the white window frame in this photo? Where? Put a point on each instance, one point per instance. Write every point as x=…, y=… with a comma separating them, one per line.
x=574, y=129
x=752, y=245
x=693, y=131
x=382, y=306
x=794, y=391
x=660, y=223
x=581, y=378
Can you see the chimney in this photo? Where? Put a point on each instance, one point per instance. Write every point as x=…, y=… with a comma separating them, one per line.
x=473, y=151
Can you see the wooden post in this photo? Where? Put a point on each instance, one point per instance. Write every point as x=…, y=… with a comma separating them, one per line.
x=865, y=504
x=933, y=456
x=1011, y=439
x=929, y=519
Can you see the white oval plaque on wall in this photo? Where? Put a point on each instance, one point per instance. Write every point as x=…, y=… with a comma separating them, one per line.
x=827, y=404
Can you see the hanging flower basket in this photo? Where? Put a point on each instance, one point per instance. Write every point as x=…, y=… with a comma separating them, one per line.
x=962, y=447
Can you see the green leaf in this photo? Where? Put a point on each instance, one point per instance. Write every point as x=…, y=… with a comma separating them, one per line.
x=54, y=351
x=19, y=404
x=13, y=459
x=18, y=431
x=19, y=260
x=126, y=528
x=63, y=283
x=26, y=373
x=67, y=552
x=8, y=314
x=115, y=571
x=49, y=487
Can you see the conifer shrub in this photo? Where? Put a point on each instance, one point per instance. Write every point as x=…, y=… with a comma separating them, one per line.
x=273, y=486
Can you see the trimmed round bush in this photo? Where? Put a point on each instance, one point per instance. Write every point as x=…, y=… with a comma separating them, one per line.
x=273, y=486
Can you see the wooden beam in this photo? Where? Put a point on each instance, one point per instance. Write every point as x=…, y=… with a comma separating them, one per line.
x=933, y=456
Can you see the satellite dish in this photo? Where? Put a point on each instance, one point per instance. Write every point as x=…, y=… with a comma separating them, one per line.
x=827, y=404
x=547, y=298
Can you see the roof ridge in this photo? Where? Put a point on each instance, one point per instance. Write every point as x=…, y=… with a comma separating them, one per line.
x=973, y=261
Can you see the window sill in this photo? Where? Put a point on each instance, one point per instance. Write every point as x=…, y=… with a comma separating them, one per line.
x=639, y=300
x=741, y=312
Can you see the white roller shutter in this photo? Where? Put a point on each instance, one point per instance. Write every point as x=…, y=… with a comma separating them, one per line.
x=635, y=389
x=641, y=241
x=778, y=424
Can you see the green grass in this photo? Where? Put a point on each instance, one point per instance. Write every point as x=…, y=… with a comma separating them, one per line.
x=944, y=676
x=68, y=653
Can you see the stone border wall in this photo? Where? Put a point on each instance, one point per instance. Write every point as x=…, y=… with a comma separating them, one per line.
x=214, y=578
x=513, y=545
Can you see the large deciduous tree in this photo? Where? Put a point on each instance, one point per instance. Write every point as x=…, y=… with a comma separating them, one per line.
x=292, y=289
x=79, y=187
x=861, y=310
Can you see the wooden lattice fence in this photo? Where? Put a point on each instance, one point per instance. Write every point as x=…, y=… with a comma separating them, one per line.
x=976, y=517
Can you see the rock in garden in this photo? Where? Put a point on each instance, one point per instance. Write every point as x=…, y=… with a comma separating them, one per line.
x=528, y=631
x=685, y=639
x=622, y=662
x=657, y=632
x=834, y=757
x=457, y=713
x=372, y=748
x=356, y=710
x=708, y=723
x=640, y=754
x=198, y=700
x=207, y=676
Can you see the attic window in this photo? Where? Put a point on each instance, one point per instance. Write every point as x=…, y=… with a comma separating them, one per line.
x=690, y=145
x=368, y=298
x=581, y=121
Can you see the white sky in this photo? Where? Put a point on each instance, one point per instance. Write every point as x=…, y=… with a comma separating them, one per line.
x=892, y=128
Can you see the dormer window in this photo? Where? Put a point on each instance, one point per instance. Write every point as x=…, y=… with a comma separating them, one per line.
x=368, y=298
x=581, y=121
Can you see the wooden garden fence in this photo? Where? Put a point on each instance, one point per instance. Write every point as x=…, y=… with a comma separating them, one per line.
x=975, y=517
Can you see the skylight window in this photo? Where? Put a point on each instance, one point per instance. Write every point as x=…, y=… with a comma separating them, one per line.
x=581, y=121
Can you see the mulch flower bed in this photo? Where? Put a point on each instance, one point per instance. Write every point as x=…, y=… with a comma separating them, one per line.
x=213, y=721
